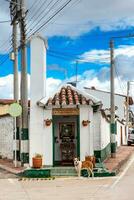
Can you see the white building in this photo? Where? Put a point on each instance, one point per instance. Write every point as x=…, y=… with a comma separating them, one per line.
x=6, y=130
x=69, y=123
x=66, y=128
x=120, y=101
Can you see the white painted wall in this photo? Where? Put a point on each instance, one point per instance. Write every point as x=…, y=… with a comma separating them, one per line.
x=118, y=136
x=101, y=132
x=105, y=133
x=96, y=130
x=47, y=140
x=105, y=98
x=6, y=137
x=86, y=132
x=37, y=91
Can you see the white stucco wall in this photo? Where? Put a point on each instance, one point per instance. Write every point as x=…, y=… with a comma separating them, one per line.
x=118, y=136
x=96, y=130
x=101, y=132
x=105, y=98
x=47, y=140
x=105, y=133
x=6, y=137
x=86, y=132
x=37, y=91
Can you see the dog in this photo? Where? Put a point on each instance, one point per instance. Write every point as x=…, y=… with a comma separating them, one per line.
x=79, y=165
x=92, y=159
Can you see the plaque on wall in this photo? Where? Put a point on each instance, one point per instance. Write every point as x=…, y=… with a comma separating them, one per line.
x=65, y=111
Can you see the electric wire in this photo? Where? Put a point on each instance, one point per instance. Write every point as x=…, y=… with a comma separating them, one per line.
x=44, y=15
x=33, y=5
x=51, y=17
x=121, y=84
x=35, y=13
x=7, y=21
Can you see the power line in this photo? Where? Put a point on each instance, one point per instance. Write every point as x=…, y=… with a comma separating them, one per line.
x=45, y=14
x=51, y=17
x=34, y=3
x=122, y=87
x=7, y=21
x=36, y=12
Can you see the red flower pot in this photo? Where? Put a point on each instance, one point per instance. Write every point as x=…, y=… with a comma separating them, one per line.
x=37, y=162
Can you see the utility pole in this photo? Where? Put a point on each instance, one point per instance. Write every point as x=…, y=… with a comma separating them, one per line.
x=127, y=109
x=15, y=50
x=24, y=86
x=112, y=122
x=14, y=12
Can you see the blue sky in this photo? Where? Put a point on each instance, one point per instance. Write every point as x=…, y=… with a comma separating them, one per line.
x=81, y=32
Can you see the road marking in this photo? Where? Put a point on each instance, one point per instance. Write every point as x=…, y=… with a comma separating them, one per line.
x=123, y=173
x=11, y=180
x=104, y=178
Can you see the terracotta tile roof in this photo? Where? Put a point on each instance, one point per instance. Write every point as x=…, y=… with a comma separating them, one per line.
x=10, y=101
x=67, y=97
x=7, y=101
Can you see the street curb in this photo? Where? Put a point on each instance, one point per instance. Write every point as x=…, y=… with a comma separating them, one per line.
x=121, y=164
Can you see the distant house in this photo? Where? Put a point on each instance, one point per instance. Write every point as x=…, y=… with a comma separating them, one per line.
x=104, y=96
x=6, y=130
x=120, y=110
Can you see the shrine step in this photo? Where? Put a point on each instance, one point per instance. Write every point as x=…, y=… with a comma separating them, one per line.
x=63, y=171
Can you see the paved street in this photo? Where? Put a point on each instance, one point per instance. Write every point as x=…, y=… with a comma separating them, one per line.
x=114, y=188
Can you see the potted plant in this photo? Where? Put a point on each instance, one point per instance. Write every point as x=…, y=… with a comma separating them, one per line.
x=85, y=122
x=37, y=161
x=48, y=122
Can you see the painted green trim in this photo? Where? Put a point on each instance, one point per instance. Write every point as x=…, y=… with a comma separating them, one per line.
x=113, y=147
x=103, y=153
x=116, y=127
x=25, y=158
x=17, y=133
x=36, y=173
x=113, y=128
x=17, y=155
x=57, y=163
x=78, y=137
x=24, y=134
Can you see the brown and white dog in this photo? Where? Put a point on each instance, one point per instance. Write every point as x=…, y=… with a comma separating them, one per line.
x=83, y=165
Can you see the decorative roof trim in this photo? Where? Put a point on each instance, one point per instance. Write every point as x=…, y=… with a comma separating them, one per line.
x=71, y=91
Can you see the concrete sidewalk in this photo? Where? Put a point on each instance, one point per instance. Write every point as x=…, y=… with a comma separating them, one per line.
x=111, y=164
x=8, y=165
x=122, y=156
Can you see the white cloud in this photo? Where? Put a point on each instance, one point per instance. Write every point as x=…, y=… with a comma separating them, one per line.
x=6, y=87
x=79, y=17
x=94, y=56
x=103, y=56
x=88, y=79
x=52, y=85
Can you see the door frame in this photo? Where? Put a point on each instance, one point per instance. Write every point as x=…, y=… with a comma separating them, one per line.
x=55, y=163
